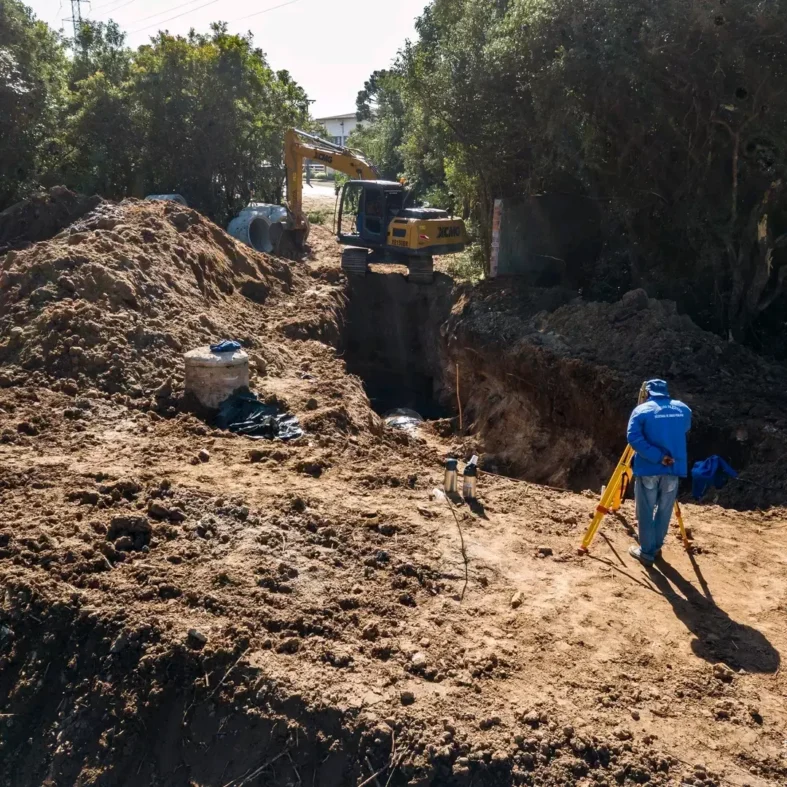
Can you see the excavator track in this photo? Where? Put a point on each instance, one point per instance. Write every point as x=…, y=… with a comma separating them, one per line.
x=355, y=261
x=421, y=271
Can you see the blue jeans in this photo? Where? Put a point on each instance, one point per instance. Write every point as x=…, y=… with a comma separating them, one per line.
x=655, y=496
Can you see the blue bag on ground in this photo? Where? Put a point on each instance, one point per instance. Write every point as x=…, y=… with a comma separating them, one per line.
x=245, y=414
x=713, y=471
x=225, y=346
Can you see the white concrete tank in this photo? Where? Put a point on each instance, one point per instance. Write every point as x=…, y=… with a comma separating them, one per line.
x=212, y=377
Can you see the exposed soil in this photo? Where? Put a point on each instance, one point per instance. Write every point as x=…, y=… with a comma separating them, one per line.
x=550, y=381
x=182, y=606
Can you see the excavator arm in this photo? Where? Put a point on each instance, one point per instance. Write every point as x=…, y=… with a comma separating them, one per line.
x=299, y=146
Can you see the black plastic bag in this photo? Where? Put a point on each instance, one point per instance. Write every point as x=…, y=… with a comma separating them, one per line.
x=243, y=413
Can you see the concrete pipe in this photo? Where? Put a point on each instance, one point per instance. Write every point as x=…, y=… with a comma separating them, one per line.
x=168, y=198
x=260, y=226
x=256, y=231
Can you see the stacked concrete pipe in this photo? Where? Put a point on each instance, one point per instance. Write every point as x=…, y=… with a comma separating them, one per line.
x=260, y=226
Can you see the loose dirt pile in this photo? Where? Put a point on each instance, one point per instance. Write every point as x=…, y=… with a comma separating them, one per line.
x=183, y=606
x=113, y=302
x=551, y=380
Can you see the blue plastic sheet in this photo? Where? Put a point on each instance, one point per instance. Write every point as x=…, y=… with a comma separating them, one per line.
x=225, y=346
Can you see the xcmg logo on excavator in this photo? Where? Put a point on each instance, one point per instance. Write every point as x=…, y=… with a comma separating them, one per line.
x=449, y=232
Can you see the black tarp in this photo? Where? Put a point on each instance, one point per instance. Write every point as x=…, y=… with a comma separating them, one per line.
x=243, y=413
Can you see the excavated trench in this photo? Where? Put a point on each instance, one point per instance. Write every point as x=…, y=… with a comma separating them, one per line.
x=392, y=342
x=535, y=411
x=402, y=341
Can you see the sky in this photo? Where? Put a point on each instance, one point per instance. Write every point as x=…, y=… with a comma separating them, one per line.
x=329, y=46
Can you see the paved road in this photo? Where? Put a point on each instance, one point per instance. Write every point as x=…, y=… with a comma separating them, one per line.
x=318, y=189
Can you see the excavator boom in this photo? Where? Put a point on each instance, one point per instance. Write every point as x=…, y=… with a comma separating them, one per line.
x=299, y=146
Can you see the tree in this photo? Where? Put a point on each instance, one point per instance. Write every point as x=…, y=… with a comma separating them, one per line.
x=102, y=148
x=215, y=115
x=672, y=115
x=203, y=115
x=382, y=115
x=32, y=91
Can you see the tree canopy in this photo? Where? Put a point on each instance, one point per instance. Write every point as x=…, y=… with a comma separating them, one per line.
x=671, y=115
x=202, y=115
x=32, y=95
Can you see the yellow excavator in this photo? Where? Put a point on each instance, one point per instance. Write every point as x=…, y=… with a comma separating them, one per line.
x=377, y=220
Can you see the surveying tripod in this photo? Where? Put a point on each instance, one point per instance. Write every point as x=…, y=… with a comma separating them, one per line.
x=615, y=492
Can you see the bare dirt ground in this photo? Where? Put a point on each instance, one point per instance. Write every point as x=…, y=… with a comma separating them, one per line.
x=302, y=614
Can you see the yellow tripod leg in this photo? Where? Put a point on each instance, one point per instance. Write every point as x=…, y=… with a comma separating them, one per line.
x=683, y=535
x=620, y=492
x=608, y=498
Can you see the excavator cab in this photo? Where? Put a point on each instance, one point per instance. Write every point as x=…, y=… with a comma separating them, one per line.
x=376, y=223
x=365, y=211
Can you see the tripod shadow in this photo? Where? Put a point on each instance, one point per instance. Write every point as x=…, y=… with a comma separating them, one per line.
x=718, y=638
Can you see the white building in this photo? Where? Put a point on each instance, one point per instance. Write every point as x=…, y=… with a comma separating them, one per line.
x=339, y=127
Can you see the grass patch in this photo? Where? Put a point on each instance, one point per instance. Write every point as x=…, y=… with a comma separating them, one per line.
x=319, y=216
x=468, y=265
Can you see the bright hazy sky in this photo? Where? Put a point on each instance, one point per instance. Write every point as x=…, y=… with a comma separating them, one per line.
x=329, y=46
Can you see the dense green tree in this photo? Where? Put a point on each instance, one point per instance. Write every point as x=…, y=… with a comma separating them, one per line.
x=103, y=140
x=381, y=113
x=203, y=115
x=32, y=93
x=214, y=115
x=672, y=115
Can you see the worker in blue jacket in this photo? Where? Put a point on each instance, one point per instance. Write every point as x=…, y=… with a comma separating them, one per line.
x=657, y=432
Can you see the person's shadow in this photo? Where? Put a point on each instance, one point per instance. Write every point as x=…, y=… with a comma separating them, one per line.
x=718, y=637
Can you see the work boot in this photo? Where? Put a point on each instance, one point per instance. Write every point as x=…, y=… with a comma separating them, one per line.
x=636, y=552
x=658, y=551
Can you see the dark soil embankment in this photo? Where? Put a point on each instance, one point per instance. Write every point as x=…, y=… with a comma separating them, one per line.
x=94, y=693
x=549, y=382
x=42, y=217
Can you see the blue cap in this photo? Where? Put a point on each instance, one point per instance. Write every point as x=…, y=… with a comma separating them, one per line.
x=656, y=388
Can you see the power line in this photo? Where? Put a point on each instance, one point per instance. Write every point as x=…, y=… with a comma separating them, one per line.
x=99, y=6
x=264, y=11
x=177, y=16
x=117, y=7
x=205, y=5
x=167, y=11
x=59, y=9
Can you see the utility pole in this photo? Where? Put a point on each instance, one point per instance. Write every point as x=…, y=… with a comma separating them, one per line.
x=76, y=17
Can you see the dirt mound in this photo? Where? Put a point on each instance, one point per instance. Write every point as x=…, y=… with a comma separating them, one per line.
x=114, y=301
x=42, y=216
x=179, y=605
x=551, y=381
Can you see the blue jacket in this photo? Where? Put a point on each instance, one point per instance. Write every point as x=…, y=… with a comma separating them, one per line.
x=713, y=471
x=657, y=429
